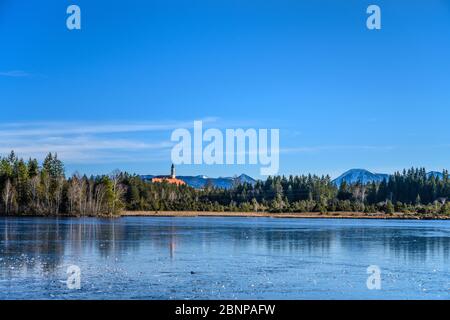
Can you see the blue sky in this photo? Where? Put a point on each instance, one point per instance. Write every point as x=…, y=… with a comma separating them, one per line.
x=108, y=96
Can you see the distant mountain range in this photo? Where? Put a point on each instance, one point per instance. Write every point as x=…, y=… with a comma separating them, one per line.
x=360, y=175
x=436, y=174
x=350, y=176
x=200, y=182
x=365, y=176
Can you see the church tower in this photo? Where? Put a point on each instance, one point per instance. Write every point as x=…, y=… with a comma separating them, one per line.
x=172, y=171
x=172, y=179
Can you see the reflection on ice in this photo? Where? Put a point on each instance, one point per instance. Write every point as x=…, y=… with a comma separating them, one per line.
x=143, y=257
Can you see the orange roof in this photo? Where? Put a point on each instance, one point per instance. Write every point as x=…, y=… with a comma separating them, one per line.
x=176, y=181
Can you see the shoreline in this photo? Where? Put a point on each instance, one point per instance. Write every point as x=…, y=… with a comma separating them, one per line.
x=289, y=215
x=298, y=215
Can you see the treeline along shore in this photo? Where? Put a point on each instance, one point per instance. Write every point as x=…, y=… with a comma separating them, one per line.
x=29, y=188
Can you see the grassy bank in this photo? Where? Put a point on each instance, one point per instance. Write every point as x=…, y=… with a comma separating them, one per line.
x=341, y=215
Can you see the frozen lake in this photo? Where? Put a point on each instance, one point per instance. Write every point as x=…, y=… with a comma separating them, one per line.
x=223, y=258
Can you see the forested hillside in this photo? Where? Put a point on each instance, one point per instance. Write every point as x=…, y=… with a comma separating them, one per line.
x=28, y=188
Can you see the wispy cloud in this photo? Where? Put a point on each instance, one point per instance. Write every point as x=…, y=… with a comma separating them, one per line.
x=77, y=142
x=314, y=149
x=81, y=128
x=15, y=73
